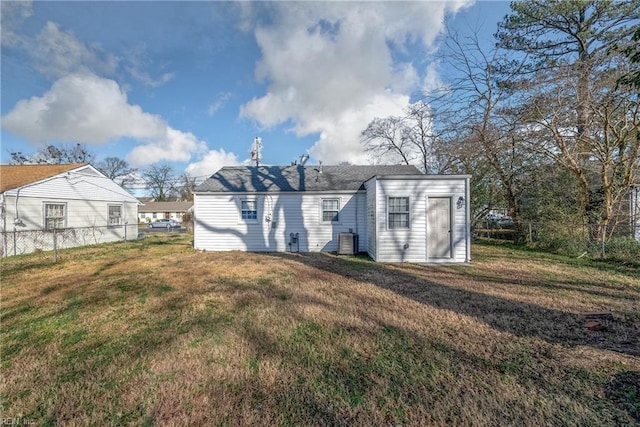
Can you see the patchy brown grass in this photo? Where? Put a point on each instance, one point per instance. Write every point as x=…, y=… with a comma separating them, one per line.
x=158, y=334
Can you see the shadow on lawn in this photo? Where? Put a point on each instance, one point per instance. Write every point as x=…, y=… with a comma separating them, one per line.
x=518, y=318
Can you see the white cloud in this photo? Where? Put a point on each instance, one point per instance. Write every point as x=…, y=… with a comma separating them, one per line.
x=137, y=61
x=145, y=78
x=330, y=68
x=210, y=163
x=88, y=109
x=219, y=102
x=56, y=53
x=12, y=16
x=175, y=146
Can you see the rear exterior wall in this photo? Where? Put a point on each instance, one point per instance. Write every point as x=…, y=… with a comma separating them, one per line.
x=410, y=245
x=219, y=226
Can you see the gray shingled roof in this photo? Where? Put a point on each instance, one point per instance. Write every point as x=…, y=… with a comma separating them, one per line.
x=242, y=179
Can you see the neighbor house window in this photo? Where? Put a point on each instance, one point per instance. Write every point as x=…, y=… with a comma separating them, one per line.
x=398, y=210
x=143, y=215
x=155, y=215
x=115, y=214
x=54, y=215
x=330, y=209
x=249, y=209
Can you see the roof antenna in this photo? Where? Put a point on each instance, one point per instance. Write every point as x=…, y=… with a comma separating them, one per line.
x=256, y=151
x=320, y=163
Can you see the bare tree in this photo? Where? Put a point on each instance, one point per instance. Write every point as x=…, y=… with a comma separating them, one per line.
x=383, y=138
x=55, y=154
x=159, y=180
x=411, y=139
x=118, y=170
x=479, y=106
x=185, y=186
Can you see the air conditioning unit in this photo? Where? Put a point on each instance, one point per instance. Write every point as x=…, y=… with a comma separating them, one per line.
x=347, y=244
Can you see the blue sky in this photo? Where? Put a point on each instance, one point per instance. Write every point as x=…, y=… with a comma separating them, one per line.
x=192, y=83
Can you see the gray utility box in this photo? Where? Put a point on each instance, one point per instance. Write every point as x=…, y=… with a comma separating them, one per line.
x=347, y=244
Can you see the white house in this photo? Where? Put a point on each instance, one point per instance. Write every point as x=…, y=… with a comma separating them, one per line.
x=396, y=212
x=74, y=204
x=153, y=211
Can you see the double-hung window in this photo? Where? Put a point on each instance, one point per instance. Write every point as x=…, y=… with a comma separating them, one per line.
x=248, y=210
x=398, y=211
x=330, y=210
x=115, y=214
x=55, y=215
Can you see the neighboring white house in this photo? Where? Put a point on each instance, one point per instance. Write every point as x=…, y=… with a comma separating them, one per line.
x=77, y=201
x=153, y=211
x=396, y=212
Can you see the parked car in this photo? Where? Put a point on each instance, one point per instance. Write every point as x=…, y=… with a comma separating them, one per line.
x=164, y=223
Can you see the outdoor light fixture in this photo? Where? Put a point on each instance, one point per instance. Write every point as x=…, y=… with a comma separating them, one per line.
x=460, y=202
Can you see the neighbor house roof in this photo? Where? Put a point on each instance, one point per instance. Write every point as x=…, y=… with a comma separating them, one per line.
x=240, y=179
x=165, y=207
x=15, y=176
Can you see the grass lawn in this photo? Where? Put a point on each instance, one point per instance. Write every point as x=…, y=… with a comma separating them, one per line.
x=156, y=333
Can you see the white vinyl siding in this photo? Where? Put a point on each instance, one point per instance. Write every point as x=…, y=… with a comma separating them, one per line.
x=410, y=244
x=217, y=228
x=372, y=234
x=86, y=198
x=55, y=215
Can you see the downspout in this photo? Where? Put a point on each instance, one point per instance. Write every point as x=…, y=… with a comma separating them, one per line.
x=17, y=218
x=3, y=212
x=468, y=217
x=124, y=206
x=358, y=239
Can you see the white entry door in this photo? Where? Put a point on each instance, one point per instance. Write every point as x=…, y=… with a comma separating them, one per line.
x=439, y=227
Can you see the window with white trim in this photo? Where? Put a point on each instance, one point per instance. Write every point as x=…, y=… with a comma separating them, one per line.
x=398, y=212
x=55, y=215
x=248, y=209
x=330, y=210
x=115, y=214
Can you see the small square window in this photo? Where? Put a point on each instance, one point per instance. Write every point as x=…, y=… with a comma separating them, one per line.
x=249, y=209
x=330, y=210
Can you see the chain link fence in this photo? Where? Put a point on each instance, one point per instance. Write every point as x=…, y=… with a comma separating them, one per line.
x=49, y=242
x=619, y=241
x=45, y=246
